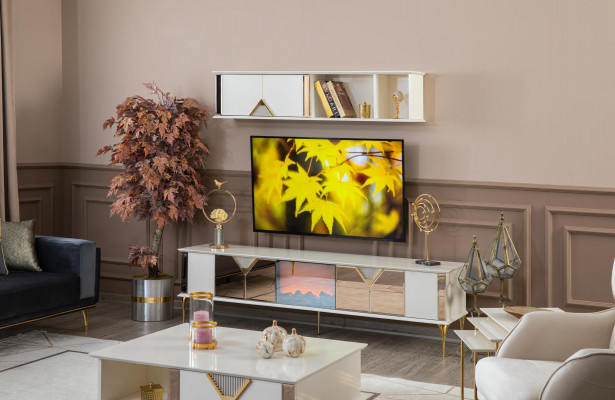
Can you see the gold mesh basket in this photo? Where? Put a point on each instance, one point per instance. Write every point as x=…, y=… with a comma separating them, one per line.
x=153, y=391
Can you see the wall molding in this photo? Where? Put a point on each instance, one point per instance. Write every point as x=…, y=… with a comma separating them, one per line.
x=48, y=189
x=569, y=231
x=68, y=199
x=526, y=211
x=550, y=213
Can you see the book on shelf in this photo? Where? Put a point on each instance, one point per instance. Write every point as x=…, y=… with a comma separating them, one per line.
x=346, y=104
x=326, y=99
x=336, y=100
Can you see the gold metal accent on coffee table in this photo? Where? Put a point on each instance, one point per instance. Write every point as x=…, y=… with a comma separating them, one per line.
x=231, y=383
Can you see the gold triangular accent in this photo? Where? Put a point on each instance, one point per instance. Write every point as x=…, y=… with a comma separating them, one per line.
x=373, y=277
x=224, y=396
x=261, y=103
x=245, y=264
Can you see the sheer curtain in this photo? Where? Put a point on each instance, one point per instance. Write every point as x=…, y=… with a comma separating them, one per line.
x=9, y=198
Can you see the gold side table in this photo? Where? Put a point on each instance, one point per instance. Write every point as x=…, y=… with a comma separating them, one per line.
x=476, y=342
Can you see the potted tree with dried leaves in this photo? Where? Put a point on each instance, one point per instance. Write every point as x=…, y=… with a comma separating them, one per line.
x=161, y=153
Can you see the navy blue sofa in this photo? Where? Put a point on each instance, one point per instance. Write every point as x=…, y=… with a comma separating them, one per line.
x=69, y=282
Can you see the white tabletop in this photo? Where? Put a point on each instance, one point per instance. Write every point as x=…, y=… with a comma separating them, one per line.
x=491, y=329
x=354, y=260
x=234, y=355
x=475, y=341
x=504, y=319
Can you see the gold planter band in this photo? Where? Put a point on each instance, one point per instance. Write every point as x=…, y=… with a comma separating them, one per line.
x=151, y=300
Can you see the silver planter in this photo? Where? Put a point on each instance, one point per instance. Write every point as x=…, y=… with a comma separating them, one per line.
x=152, y=299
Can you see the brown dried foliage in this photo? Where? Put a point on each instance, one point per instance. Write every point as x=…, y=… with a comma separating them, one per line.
x=161, y=152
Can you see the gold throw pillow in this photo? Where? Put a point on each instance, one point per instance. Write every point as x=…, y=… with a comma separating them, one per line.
x=18, y=246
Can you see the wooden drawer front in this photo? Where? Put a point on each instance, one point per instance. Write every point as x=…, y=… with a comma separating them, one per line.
x=197, y=386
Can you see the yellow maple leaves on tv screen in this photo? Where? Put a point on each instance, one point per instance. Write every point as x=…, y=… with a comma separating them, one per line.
x=322, y=186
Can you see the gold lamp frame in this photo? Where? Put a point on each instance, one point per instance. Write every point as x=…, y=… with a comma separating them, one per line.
x=426, y=214
x=218, y=242
x=506, y=267
x=474, y=277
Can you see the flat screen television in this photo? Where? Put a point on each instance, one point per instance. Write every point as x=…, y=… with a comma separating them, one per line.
x=329, y=187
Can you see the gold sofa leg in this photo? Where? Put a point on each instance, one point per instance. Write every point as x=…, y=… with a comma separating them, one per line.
x=85, y=319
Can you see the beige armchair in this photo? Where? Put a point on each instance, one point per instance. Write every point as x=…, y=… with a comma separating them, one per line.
x=553, y=356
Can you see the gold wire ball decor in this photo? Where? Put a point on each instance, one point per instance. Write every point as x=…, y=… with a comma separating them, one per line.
x=219, y=217
x=426, y=214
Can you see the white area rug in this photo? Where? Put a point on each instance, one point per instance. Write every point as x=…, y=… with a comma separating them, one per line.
x=40, y=365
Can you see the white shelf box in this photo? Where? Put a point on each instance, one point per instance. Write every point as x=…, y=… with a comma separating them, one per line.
x=285, y=93
x=359, y=87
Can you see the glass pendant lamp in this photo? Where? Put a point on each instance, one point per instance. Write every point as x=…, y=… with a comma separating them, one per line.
x=502, y=260
x=474, y=277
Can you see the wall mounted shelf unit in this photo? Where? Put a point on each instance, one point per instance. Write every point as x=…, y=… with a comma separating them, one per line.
x=291, y=95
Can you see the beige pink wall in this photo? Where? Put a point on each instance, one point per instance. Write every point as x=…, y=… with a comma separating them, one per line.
x=37, y=33
x=516, y=92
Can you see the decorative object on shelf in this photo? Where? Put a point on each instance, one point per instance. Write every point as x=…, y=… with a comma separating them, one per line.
x=502, y=261
x=474, y=276
x=220, y=217
x=153, y=391
x=276, y=335
x=261, y=109
x=264, y=348
x=398, y=97
x=150, y=185
x=201, y=308
x=426, y=214
x=365, y=110
x=294, y=345
x=204, y=335
x=520, y=311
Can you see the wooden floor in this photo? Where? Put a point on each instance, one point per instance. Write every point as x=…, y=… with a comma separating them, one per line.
x=398, y=355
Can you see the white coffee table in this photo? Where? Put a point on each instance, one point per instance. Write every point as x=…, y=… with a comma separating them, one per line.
x=329, y=369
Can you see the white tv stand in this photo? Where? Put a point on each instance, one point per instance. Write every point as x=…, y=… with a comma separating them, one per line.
x=431, y=294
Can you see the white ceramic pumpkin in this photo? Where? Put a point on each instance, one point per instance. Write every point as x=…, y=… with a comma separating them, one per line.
x=264, y=348
x=294, y=345
x=276, y=335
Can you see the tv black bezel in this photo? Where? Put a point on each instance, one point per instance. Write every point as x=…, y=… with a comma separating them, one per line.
x=403, y=184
